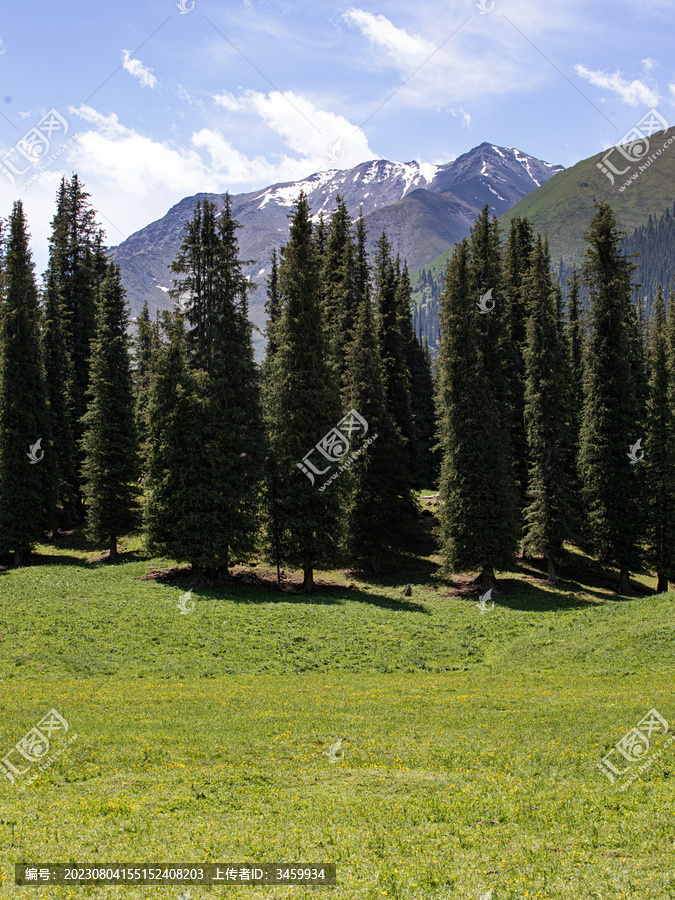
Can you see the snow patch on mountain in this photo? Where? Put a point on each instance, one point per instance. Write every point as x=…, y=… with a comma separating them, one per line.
x=525, y=161
x=287, y=194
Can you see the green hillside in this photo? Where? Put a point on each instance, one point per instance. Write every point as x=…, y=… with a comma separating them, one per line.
x=469, y=742
x=563, y=206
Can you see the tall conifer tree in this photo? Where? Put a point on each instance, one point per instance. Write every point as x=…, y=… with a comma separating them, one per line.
x=393, y=352
x=575, y=340
x=179, y=406
x=271, y=509
x=272, y=305
x=77, y=267
x=110, y=440
x=225, y=415
x=145, y=340
x=27, y=492
x=379, y=502
x=59, y=378
x=517, y=261
x=477, y=485
x=302, y=406
x=612, y=420
x=420, y=385
x=338, y=287
x=660, y=450
x=547, y=413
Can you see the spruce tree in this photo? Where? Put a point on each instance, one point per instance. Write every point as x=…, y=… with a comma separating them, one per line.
x=27, y=492
x=499, y=355
x=77, y=266
x=379, y=502
x=144, y=343
x=195, y=262
x=575, y=341
x=575, y=331
x=272, y=305
x=271, y=510
x=612, y=420
x=671, y=322
x=477, y=486
x=302, y=407
x=224, y=414
x=236, y=415
x=393, y=352
x=179, y=407
x=517, y=260
x=338, y=271
x=422, y=393
x=59, y=377
x=547, y=415
x=660, y=450
x=110, y=440
x=420, y=387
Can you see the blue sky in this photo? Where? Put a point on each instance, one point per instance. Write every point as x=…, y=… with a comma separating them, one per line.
x=156, y=104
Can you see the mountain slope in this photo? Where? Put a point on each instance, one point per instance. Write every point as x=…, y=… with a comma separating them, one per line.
x=563, y=207
x=423, y=207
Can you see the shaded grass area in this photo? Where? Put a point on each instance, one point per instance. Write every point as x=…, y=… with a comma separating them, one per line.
x=470, y=740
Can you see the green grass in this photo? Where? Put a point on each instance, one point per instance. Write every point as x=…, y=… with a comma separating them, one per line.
x=470, y=740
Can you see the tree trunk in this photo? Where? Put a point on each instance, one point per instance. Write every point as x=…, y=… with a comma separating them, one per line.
x=376, y=561
x=551, y=571
x=277, y=555
x=113, y=555
x=224, y=576
x=19, y=558
x=197, y=570
x=624, y=583
x=662, y=586
x=308, y=586
x=488, y=580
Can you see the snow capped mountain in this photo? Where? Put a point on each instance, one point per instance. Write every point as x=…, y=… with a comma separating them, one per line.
x=424, y=208
x=505, y=172
x=387, y=182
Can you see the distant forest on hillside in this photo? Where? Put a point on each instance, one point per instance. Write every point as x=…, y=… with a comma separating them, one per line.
x=654, y=242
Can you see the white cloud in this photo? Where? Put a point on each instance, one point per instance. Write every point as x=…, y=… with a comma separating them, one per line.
x=305, y=129
x=466, y=117
x=450, y=61
x=228, y=101
x=400, y=44
x=308, y=130
x=648, y=64
x=136, y=68
x=186, y=95
x=671, y=88
x=133, y=180
x=634, y=93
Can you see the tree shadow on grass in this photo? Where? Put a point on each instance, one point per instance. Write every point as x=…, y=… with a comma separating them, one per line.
x=579, y=573
x=41, y=559
x=528, y=596
x=245, y=587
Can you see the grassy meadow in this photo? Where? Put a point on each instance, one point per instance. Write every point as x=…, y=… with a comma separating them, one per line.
x=469, y=740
